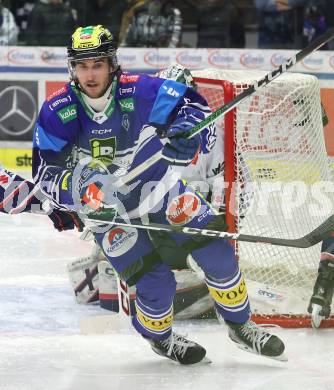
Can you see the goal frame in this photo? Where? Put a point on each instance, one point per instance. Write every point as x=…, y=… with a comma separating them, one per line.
x=283, y=320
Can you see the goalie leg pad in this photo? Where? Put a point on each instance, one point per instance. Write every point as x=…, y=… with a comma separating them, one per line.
x=84, y=278
x=108, y=289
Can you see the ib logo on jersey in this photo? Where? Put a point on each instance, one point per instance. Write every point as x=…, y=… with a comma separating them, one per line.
x=119, y=240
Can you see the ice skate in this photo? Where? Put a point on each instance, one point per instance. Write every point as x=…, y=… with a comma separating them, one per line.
x=253, y=338
x=320, y=303
x=179, y=349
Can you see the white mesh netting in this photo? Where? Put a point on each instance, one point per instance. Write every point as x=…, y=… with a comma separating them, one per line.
x=282, y=177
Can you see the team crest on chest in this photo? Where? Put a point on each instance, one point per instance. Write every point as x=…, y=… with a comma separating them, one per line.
x=104, y=149
x=125, y=122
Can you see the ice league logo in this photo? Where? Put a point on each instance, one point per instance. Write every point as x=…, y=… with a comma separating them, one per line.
x=119, y=240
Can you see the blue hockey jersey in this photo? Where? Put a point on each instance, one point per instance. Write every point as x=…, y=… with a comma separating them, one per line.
x=122, y=136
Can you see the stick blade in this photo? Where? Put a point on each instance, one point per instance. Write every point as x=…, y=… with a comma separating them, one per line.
x=103, y=324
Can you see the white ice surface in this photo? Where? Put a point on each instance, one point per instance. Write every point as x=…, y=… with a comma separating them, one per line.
x=41, y=347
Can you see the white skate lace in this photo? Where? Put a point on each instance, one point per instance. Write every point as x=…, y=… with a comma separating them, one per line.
x=255, y=334
x=177, y=344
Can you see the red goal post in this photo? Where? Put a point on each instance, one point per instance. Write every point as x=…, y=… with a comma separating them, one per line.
x=273, y=141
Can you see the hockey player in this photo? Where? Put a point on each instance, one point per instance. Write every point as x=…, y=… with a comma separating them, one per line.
x=323, y=291
x=105, y=124
x=94, y=281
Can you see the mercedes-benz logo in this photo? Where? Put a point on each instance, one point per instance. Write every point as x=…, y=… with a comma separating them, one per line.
x=18, y=110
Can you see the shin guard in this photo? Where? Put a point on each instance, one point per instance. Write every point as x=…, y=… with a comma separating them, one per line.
x=156, y=325
x=231, y=298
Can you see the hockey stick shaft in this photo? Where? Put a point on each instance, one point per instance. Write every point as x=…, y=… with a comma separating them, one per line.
x=310, y=239
x=223, y=110
x=256, y=85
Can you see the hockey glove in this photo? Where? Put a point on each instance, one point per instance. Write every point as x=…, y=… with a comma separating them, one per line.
x=180, y=150
x=178, y=73
x=65, y=220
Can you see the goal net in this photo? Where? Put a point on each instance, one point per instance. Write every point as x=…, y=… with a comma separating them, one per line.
x=278, y=184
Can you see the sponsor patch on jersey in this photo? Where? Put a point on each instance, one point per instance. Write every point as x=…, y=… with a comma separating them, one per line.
x=129, y=78
x=119, y=240
x=104, y=149
x=56, y=93
x=102, y=131
x=68, y=113
x=204, y=215
x=183, y=209
x=55, y=104
x=127, y=91
x=127, y=105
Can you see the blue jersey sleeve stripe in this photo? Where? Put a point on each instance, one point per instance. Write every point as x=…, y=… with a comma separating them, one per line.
x=47, y=141
x=168, y=97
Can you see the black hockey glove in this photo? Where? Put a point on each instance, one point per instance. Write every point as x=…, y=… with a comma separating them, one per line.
x=66, y=220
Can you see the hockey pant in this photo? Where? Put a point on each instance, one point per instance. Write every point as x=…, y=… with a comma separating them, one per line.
x=126, y=247
x=327, y=249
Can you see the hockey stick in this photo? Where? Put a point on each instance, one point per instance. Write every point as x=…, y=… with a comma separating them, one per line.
x=118, y=321
x=256, y=85
x=314, y=237
x=223, y=110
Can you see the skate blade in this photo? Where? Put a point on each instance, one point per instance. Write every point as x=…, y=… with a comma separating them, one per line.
x=280, y=358
x=316, y=318
x=205, y=360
